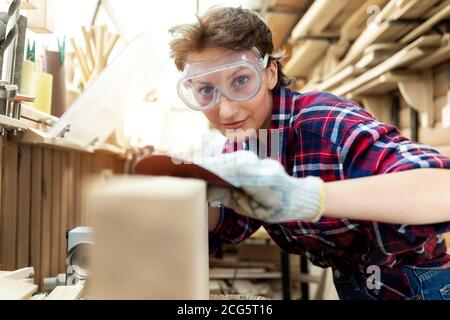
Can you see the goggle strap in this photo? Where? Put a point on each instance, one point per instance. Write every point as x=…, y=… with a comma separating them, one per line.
x=266, y=59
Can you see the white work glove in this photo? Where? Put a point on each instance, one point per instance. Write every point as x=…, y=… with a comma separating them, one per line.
x=264, y=191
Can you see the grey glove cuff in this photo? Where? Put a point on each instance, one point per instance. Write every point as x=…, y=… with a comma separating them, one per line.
x=307, y=198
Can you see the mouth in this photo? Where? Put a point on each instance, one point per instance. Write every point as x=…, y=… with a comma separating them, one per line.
x=234, y=125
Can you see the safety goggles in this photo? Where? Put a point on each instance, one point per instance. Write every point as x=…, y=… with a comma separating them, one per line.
x=236, y=75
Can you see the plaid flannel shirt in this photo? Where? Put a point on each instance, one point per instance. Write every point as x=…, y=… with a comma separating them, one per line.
x=334, y=138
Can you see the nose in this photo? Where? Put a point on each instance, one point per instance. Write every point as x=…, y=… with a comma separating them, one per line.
x=227, y=108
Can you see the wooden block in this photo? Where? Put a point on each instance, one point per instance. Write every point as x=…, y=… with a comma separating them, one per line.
x=447, y=239
x=56, y=215
x=20, y=274
x=405, y=118
x=436, y=136
x=36, y=205
x=259, y=252
x=230, y=273
x=445, y=113
x=439, y=104
x=41, y=19
x=46, y=212
x=76, y=219
x=158, y=229
x=2, y=262
x=441, y=79
x=24, y=200
x=445, y=150
x=16, y=290
x=64, y=205
x=9, y=206
x=67, y=292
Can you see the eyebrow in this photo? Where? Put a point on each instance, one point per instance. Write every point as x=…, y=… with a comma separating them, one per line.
x=234, y=73
x=200, y=82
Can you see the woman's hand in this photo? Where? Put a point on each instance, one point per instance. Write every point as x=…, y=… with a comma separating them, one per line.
x=264, y=190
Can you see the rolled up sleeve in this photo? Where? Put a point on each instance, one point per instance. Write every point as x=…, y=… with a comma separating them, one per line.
x=232, y=228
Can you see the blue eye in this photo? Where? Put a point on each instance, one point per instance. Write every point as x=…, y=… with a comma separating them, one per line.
x=206, y=91
x=240, y=81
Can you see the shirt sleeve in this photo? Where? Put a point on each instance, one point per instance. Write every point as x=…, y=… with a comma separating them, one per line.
x=232, y=228
x=370, y=148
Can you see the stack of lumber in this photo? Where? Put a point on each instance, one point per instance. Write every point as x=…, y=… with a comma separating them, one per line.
x=19, y=285
x=385, y=55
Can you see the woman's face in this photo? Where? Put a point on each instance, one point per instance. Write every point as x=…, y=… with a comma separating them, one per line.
x=227, y=115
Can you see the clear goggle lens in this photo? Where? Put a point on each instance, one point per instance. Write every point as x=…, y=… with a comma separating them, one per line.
x=240, y=82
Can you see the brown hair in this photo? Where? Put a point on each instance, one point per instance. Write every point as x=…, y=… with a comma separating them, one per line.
x=228, y=28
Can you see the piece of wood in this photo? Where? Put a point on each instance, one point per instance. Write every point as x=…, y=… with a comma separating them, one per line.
x=242, y=274
x=445, y=150
x=281, y=23
x=446, y=115
x=154, y=270
x=23, y=210
x=304, y=57
x=36, y=205
x=418, y=93
x=16, y=290
x=87, y=44
x=64, y=207
x=9, y=206
x=56, y=215
x=109, y=47
x=317, y=18
x=439, y=104
x=380, y=26
x=436, y=136
x=2, y=262
x=380, y=107
x=407, y=54
x=81, y=59
x=19, y=274
x=47, y=174
x=427, y=25
x=434, y=58
x=77, y=185
x=441, y=75
x=74, y=292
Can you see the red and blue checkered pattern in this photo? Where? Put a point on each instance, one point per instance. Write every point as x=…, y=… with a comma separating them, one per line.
x=334, y=138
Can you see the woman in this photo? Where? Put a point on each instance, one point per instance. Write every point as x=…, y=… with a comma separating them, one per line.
x=341, y=169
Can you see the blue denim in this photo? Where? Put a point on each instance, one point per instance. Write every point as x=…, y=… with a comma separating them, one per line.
x=426, y=284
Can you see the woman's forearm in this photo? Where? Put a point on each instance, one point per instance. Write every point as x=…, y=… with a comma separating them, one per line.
x=420, y=196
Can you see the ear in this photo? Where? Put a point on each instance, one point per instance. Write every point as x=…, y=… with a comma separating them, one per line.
x=272, y=74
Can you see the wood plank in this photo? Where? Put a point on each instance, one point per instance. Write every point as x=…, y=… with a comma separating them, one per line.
x=380, y=26
x=24, y=201
x=242, y=274
x=427, y=25
x=46, y=212
x=86, y=172
x=436, y=136
x=9, y=206
x=36, y=207
x=318, y=17
x=19, y=274
x=2, y=267
x=67, y=292
x=402, y=57
x=77, y=189
x=304, y=57
x=16, y=290
x=64, y=209
x=434, y=58
x=56, y=214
